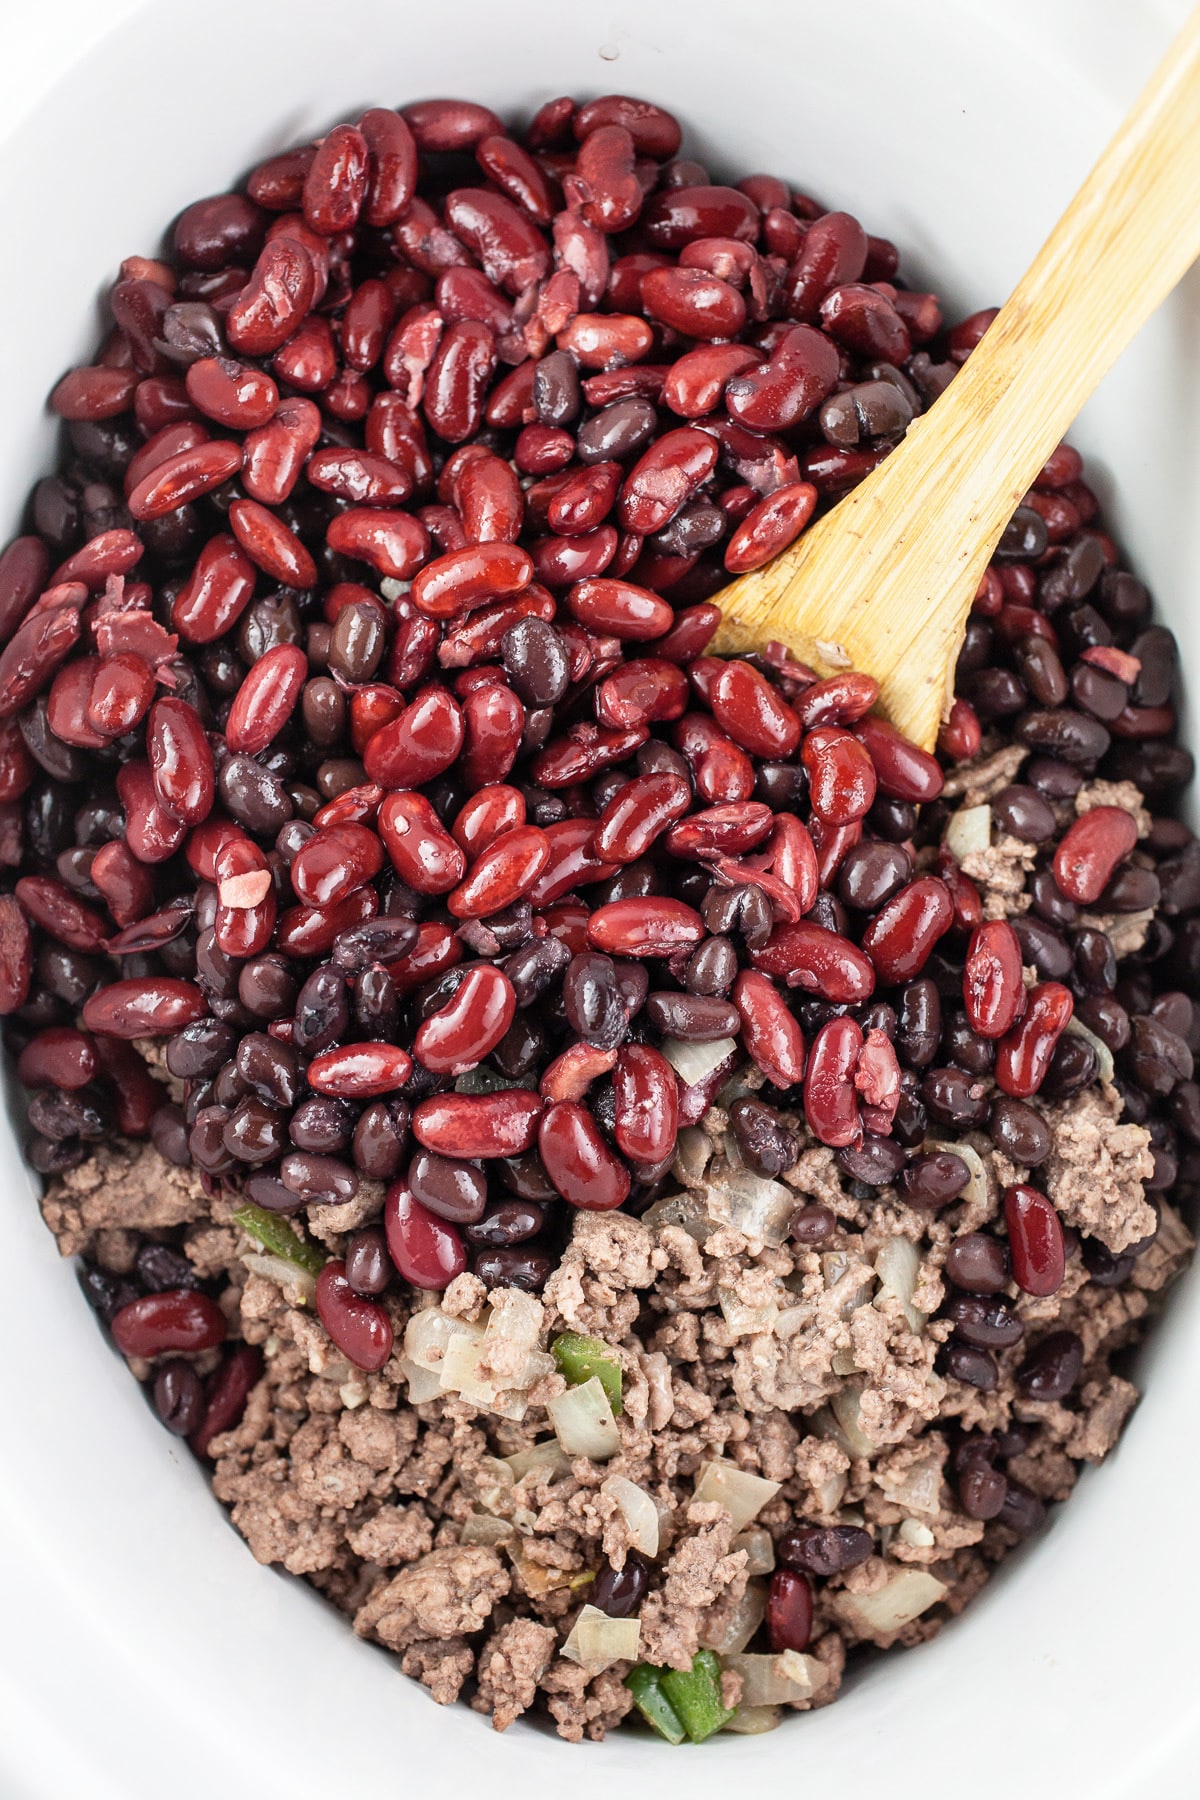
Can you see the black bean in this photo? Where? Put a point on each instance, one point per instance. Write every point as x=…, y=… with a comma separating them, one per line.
x=317, y=1178
x=619, y=1592
x=519, y=1266
x=168, y=1134
x=322, y=1016
x=1024, y=538
x=1053, y=779
x=765, y=1142
x=273, y=1069
x=1019, y=1131
x=269, y=1192
x=381, y=1139
x=981, y=1490
x=1132, y=889
x=877, y=1161
x=323, y=1124
x=712, y=967
x=824, y=1549
x=83, y=1113
x=782, y=785
x=1154, y=766
x=617, y=431
x=1105, y=1267
x=200, y=1048
x=255, y=1132
x=1073, y=737
x=206, y=1141
x=507, y=1222
x=1076, y=575
x=965, y=1047
x=997, y=693
x=1073, y=1066
x=1158, y=654
x=695, y=1018
x=812, y=1224
x=256, y=798
x=1179, y=881
x=1097, y=692
x=592, y=1000
x=536, y=662
x=955, y=1098
x=452, y=1189
x=369, y=1268
x=920, y=1028
x=1044, y=947
x=556, y=392
x=987, y=1323
x=1023, y=813
x=1022, y=1511
x=357, y=643
x=1051, y=1367
x=535, y=967
x=871, y=873
x=1156, y=1058
x=1040, y=668
x=934, y=1179
x=178, y=1395
x=978, y=1263
x=911, y=1122
x=967, y=1363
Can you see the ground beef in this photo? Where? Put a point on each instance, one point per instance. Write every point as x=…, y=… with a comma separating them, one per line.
x=1097, y=1167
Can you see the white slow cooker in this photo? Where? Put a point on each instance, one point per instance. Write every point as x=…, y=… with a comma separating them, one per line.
x=143, y=1653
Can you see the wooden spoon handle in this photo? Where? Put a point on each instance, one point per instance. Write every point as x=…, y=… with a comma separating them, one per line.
x=885, y=581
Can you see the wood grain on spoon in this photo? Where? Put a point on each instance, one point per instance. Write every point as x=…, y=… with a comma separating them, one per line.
x=885, y=581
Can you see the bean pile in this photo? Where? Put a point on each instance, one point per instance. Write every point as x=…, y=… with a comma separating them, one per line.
x=358, y=736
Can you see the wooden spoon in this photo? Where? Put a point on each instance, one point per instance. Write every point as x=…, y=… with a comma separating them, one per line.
x=884, y=582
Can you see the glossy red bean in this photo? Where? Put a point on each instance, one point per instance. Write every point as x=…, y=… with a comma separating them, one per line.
x=17, y=767
x=640, y=690
x=1023, y=1055
x=493, y=726
x=471, y=577
x=585, y=498
x=360, y=1071
x=234, y=394
x=664, y=477
x=155, y=1006
x=770, y=527
x=606, y=340
x=502, y=873
x=677, y=216
x=266, y=699
x=119, y=694
x=489, y=499
x=583, y=753
x=652, y=926
x=993, y=987
x=60, y=913
x=275, y=454
x=67, y=704
x=270, y=546
x=807, y=955
x=834, y=250
x=394, y=543
x=489, y=812
x=789, y=1611
x=753, y=712
x=517, y=173
x=572, y=861
x=16, y=955
x=24, y=565
x=830, y=1100
x=637, y=814
x=961, y=733
x=1035, y=1241
x=457, y=382
x=122, y=881
x=903, y=771
x=460, y=1034
x=800, y=373
x=578, y=1161
x=418, y=746
x=1090, y=851
x=475, y=1126
x=619, y=608
x=335, y=185
x=177, y=1320
x=312, y=930
x=93, y=393
x=770, y=1030
x=723, y=772
x=228, y=1390
x=60, y=1056
x=152, y=833
x=216, y=593
x=693, y=302
x=360, y=1327
x=423, y=854
x=181, y=763
x=841, y=775
x=275, y=299
x=36, y=649
x=901, y=936
x=427, y=1250
x=107, y=553
x=646, y=1099
x=334, y=862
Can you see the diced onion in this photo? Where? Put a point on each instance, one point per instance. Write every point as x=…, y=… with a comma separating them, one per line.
x=969, y=830
x=1104, y=1055
x=741, y=1494
x=638, y=1510
x=749, y=1721
x=835, y=1266
x=429, y=1332
x=759, y=1546
x=897, y=1266
x=597, y=1641
x=286, y=1275
x=845, y=1406
x=461, y=1374
x=912, y=1531
x=907, y=1594
x=688, y=1210
x=746, y=1320
x=776, y=1680
x=482, y=1528
x=739, y=1625
x=546, y=1455
x=693, y=1062
x=752, y=1204
x=423, y=1384
x=583, y=1421
x=693, y=1153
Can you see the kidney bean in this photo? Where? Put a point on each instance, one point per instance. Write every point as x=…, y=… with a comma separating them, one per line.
x=770, y=527
x=508, y=868
x=93, y=393
x=360, y=1071
x=638, y=814
x=902, y=934
x=275, y=299
x=489, y=812
x=335, y=862
x=175, y=1320
x=770, y=1030
x=418, y=746
x=993, y=989
x=1090, y=850
x=830, y=1103
x=16, y=955
x=266, y=699
x=360, y=1328
x=583, y=1169
x=655, y=926
x=60, y=1057
x=460, y=1034
x=475, y=1126
x=693, y=302
x=35, y=651
x=226, y=1393
x=789, y=1618
x=808, y=955
x=1023, y=1055
x=663, y=478
x=181, y=763
x=1035, y=1237
x=841, y=775
x=646, y=1097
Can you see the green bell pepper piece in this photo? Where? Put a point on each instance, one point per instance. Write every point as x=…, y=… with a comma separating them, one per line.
x=645, y=1684
x=278, y=1238
x=579, y=1358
